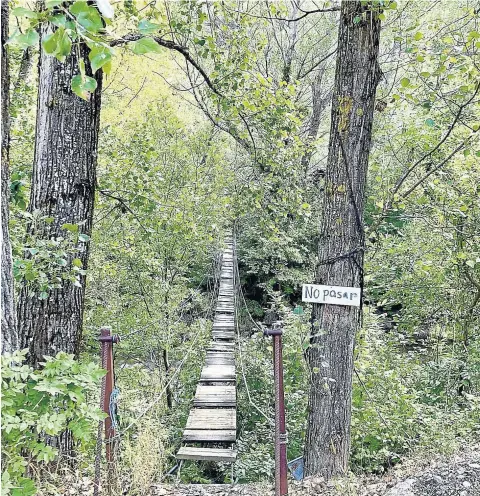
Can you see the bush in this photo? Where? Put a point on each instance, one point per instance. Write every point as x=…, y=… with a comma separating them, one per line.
x=38, y=405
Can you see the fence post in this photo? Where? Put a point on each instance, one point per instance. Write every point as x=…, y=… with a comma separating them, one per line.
x=281, y=484
x=107, y=341
x=106, y=352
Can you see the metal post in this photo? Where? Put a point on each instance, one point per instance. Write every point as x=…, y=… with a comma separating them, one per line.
x=106, y=352
x=107, y=340
x=281, y=485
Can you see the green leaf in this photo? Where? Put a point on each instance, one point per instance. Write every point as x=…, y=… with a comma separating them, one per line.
x=84, y=237
x=145, y=45
x=430, y=122
x=23, y=12
x=25, y=40
x=58, y=44
x=64, y=45
x=404, y=82
x=418, y=36
x=58, y=20
x=99, y=56
x=90, y=20
x=147, y=27
x=76, y=262
x=79, y=7
x=49, y=43
x=82, y=86
x=87, y=16
x=70, y=227
x=24, y=487
x=53, y=3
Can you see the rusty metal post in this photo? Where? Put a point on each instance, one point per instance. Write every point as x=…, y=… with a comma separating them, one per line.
x=281, y=484
x=106, y=352
x=107, y=340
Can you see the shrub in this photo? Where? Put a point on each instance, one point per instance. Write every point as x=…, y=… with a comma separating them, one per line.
x=38, y=405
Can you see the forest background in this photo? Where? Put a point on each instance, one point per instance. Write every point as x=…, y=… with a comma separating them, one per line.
x=183, y=156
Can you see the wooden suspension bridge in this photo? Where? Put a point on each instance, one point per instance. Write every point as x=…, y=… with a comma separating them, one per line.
x=211, y=427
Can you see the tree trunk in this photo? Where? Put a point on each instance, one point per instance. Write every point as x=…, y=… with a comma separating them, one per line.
x=63, y=188
x=320, y=100
x=25, y=66
x=9, y=334
x=341, y=246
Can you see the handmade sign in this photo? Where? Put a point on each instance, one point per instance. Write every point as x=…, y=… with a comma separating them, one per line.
x=333, y=295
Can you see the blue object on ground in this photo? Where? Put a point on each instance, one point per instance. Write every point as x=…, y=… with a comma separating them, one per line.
x=296, y=468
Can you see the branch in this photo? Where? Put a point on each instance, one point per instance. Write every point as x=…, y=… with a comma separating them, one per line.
x=437, y=146
x=308, y=71
x=171, y=45
x=441, y=164
x=299, y=18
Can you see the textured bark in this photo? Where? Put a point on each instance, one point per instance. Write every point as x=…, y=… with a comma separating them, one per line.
x=341, y=245
x=9, y=335
x=63, y=188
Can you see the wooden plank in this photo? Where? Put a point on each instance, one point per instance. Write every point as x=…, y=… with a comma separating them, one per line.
x=219, y=346
x=208, y=454
x=221, y=354
x=212, y=419
x=219, y=361
x=223, y=334
x=214, y=373
x=215, y=396
x=212, y=436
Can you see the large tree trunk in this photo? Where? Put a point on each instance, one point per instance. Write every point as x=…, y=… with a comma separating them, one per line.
x=63, y=188
x=341, y=246
x=9, y=335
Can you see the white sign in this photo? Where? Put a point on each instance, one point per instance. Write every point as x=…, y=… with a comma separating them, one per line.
x=333, y=295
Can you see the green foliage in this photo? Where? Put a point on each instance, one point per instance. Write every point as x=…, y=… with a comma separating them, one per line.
x=173, y=177
x=37, y=404
x=46, y=264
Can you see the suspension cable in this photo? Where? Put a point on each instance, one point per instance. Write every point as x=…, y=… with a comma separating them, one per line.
x=240, y=352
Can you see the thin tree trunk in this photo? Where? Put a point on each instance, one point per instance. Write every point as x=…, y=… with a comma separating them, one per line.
x=330, y=355
x=9, y=334
x=25, y=66
x=320, y=100
x=63, y=188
